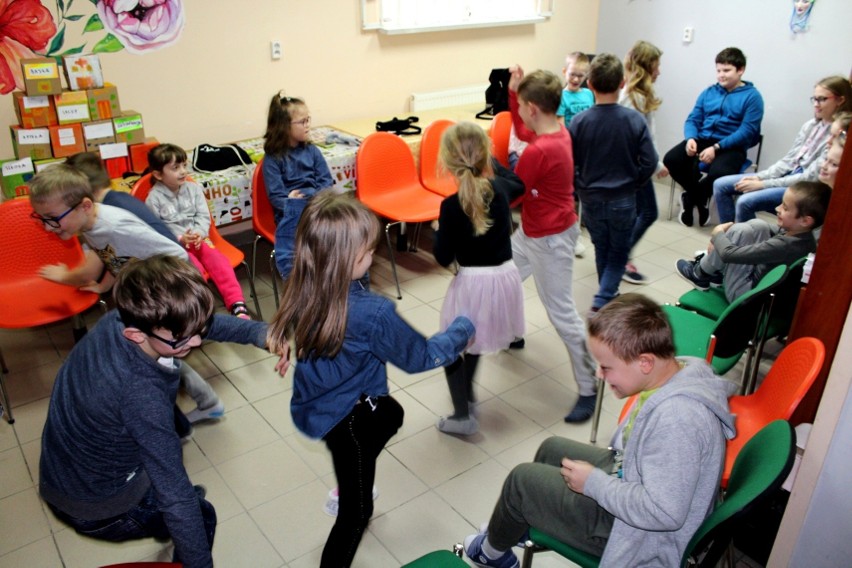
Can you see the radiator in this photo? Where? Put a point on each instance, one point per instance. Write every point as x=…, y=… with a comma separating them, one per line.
x=450, y=97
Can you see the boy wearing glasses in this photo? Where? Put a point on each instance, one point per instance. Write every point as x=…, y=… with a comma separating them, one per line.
x=575, y=97
x=111, y=462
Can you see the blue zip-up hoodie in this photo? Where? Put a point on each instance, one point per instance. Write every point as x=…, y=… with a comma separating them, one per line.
x=731, y=119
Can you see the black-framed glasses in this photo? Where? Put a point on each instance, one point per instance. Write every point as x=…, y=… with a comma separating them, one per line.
x=53, y=222
x=820, y=100
x=179, y=342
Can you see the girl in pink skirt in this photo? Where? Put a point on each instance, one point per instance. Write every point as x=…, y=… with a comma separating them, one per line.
x=474, y=230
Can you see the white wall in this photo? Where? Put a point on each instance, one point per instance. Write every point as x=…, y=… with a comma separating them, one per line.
x=783, y=66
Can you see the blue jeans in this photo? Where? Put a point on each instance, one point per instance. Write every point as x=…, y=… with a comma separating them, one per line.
x=610, y=224
x=747, y=204
x=646, y=211
x=142, y=521
x=285, y=234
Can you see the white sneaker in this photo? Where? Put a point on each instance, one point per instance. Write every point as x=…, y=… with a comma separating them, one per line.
x=213, y=413
x=579, y=248
x=331, y=504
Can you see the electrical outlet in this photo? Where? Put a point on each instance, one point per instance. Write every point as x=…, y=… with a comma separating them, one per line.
x=275, y=49
x=687, y=34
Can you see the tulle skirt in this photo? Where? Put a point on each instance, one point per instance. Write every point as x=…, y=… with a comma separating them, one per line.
x=492, y=298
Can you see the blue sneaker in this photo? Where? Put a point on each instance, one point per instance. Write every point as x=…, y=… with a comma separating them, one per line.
x=473, y=549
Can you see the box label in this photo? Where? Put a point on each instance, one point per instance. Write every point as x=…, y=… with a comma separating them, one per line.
x=23, y=166
x=126, y=124
x=34, y=136
x=98, y=130
x=72, y=112
x=41, y=71
x=66, y=137
x=113, y=150
x=36, y=102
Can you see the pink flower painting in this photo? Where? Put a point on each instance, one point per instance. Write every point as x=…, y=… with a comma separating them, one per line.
x=25, y=27
x=142, y=25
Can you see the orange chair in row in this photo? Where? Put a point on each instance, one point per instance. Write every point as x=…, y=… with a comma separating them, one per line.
x=432, y=175
x=263, y=223
x=501, y=128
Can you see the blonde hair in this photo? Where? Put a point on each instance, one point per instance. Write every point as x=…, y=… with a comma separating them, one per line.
x=466, y=154
x=639, y=66
x=334, y=231
x=63, y=181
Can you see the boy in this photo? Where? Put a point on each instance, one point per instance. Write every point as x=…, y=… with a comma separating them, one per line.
x=543, y=245
x=111, y=461
x=638, y=503
x=740, y=254
x=614, y=156
x=575, y=97
x=724, y=123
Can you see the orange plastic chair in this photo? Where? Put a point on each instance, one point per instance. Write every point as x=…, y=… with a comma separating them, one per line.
x=234, y=255
x=501, y=127
x=263, y=223
x=783, y=388
x=27, y=299
x=388, y=185
x=432, y=175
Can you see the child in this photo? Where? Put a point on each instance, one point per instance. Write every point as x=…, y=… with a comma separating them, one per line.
x=642, y=67
x=344, y=336
x=615, y=157
x=475, y=229
x=543, y=244
x=181, y=204
x=208, y=405
x=724, y=123
x=294, y=171
x=575, y=97
x=762, y=191
x=740, y=254
x=639, y=502
x=111, y=462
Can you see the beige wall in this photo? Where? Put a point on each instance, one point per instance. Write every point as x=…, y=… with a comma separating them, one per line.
x=214, y=85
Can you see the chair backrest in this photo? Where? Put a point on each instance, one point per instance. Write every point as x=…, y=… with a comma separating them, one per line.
x=787, y=294
x=383, y=163
x=263, y=218
x=142, y=187
x=760, y=469
x=432, y=176
x=501, y=128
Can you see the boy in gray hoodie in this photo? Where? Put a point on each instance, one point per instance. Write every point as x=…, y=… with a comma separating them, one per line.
x=639, y=503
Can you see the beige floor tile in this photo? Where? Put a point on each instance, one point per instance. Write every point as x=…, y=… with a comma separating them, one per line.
x=41, y=553
x=396, y=484
x=82, y=552
x=16, y=476
x=501, y=426
x=371, y=554
x=418, y=414
x=543, y=351
x=29, y=420
x=8, y=438
x=22, y=519
x=239, y=432
x=25, y=385
x=230, y=356
x=542, y=399
x=32, y=454
x=239, y=542
x=219, y=494
x=427, y=288
x=276, y=411
x=473, y=493
x=435, y=457
x=313, y=452
x=260, y=380
x=425, y=319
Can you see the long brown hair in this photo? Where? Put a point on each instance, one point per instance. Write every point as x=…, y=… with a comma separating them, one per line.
x=639, y=65
x=332, y=234
x=465, y=153
x=277, y=135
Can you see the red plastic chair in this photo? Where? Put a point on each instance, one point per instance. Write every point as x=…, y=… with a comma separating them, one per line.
x=389, y=186
x=783, y=388
x=27, y=299
x=263, y=223
x=432, y=175
x=234, y=255
x=501, y=127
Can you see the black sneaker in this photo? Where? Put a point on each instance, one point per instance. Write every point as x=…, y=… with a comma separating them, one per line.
x=703, y=215
x=517, y=344
x=686, y=269
x=685, y=216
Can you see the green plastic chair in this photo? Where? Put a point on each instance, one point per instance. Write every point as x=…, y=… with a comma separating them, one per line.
x=761, y=467
x=439, y=559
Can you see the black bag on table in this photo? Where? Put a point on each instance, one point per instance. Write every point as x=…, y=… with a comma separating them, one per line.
x=497, y=93
x=399, y=126
x=209, y=158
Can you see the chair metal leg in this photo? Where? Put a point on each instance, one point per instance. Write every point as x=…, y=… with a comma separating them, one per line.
x=5, y=407
x=78, y=327
x=274, y=272
x=393, y=262
x=596, y=419
x=251, y=287
x=671, y=200
x=530, y=548
x=254, y=254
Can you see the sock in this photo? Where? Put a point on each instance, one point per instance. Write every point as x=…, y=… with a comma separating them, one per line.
x=489, y=550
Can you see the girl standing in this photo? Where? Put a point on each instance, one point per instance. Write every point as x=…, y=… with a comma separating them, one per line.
x=294, y=170
x=642, y=67
x=475, y=229
x=344, y=336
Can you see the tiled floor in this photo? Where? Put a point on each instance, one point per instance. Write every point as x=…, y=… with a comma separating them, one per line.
x=269, y=483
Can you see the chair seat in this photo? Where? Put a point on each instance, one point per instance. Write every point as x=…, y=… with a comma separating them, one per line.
x=443, y=186
x=694, y=343
x=33, y=301
x=709, y=303
x=582, y=559
x=409, y=203
x=437, y=559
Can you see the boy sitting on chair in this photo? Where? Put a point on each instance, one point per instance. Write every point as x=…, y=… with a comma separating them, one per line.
x=740, y=254
x=639, y=503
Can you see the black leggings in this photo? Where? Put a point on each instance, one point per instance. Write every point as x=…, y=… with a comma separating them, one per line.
x=460, y=380
x=355, y=444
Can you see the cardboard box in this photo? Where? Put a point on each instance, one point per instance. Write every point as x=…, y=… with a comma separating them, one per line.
x=31, y=142
x=42, y=165
x=103, y=102
x=14, y=175
x=116, y=159
x=34, y=112
x=97, y=133
x=71, y=107
x=139, y=154
x=41, y=76
x=83, y=72
x=67, y=139
x=129, y=128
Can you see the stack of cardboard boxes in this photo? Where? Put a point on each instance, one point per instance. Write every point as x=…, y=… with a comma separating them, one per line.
x=54, y=123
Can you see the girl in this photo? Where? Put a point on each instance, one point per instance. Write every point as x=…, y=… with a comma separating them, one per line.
x=293, y=171
x=344, y=336
x=642, y=67
x=763, y=191
x=475, y=229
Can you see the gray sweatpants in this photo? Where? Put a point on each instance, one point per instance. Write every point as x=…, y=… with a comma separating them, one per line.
x=196, y=387
x=738, y=278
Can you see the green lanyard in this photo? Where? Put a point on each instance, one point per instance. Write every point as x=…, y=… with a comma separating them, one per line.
x=628, y=428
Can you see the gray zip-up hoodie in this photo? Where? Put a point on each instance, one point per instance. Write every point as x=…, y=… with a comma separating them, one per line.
x=671, y=471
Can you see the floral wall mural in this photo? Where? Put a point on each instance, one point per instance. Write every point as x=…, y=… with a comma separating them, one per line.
x=28, y=28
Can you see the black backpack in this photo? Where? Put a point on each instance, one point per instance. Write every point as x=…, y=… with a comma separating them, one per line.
x=212, y=158
x=497, y=93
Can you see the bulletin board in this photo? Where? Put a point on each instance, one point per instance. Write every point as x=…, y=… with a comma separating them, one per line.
x=417, y=16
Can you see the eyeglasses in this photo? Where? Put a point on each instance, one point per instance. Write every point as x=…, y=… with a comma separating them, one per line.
x=577, y=75
x=820, y=100
x=304, y=122
x=53, y=222
x=179, y=342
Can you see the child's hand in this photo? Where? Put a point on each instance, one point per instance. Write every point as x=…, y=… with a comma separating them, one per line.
x=707, y=155
x=575, y=474
x=54, y=272
x=691, y=147
x=720, y=228
x=191, y=239
x=517, y=74
x=435, y=225
x=105, y=285
x=296, y=194
x=284, y=362
x=748, y=184
x=663, y=173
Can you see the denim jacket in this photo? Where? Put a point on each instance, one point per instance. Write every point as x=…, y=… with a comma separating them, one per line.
x=326, y=389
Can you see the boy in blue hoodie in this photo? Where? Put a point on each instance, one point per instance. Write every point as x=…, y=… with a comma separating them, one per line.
x=722, y=126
